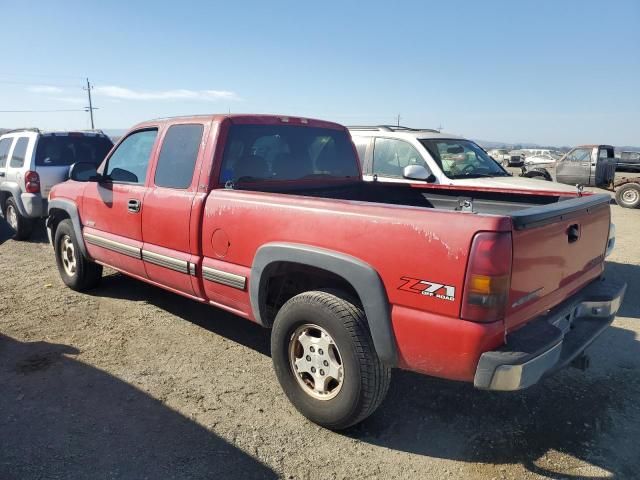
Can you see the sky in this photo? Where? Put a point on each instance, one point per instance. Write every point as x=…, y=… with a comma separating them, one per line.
x=556, y=72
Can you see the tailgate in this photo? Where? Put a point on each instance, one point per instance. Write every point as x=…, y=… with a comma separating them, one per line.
x=557, y=249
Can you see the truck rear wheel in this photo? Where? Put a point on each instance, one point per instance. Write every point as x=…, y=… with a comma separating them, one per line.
x=628, y=195
x=325, y=361
x=77, y=272
x=21, y=225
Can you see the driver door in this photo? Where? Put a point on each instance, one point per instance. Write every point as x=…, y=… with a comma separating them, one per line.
x=575, y=167
x=111, y=211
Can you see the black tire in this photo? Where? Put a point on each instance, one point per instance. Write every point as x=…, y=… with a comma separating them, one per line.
x=22, y=226
x=628, y=195
x=86, y=274
x=365, y=381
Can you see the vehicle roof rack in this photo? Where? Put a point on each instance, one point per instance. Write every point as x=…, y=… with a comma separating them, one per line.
x=391, y=128
x=27, y=129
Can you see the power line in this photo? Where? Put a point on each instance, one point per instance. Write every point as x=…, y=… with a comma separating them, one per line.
x=31, y=84
x=43, y=111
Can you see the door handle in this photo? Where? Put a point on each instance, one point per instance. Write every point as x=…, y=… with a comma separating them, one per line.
x=133, y=205
x=585, y=164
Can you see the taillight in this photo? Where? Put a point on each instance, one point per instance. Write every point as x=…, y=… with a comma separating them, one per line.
x=32, y=182
x=488, y=279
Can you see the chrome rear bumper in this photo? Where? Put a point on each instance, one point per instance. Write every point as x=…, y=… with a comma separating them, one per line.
x=553, y=341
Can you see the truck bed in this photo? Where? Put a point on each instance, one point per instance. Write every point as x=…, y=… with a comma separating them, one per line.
x=476, y=201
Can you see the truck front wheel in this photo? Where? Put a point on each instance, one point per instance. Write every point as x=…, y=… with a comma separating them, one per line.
x=325, y=361
x=76, y=271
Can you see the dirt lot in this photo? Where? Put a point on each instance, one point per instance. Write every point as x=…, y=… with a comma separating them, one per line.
x=130, y=381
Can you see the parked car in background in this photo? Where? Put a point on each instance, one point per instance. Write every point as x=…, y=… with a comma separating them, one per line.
x=268, y=217
x=628, y=162
x=438, y=158
x=32, y=162
x=530, y=152
x=540, y=160
x=506, y=158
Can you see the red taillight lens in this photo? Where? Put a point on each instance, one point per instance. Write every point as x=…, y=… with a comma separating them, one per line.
x=486, y=286
x=32, y=182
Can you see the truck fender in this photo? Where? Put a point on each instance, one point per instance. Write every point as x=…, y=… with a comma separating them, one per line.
x=362, y=277
x=14, y=190
x=72, y=210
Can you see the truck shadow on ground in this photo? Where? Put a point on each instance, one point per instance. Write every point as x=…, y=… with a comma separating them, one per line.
x=39, y=234
x=583, y=415
x=577, y=414
x=61, y=418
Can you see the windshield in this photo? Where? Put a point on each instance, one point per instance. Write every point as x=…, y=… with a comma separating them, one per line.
x=462, y=159
x=287, y=152
x=65, y=150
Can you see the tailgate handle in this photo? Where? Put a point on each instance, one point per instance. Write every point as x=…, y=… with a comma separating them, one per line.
x=573, y=233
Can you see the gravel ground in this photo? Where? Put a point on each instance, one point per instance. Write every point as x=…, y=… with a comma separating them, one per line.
x=130, y=381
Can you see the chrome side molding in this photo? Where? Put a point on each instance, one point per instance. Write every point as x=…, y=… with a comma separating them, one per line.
x=224, y=278
x=165, y=261
x=118, y=247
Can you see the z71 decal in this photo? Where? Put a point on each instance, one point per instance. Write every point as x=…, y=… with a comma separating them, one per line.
x=428, y=288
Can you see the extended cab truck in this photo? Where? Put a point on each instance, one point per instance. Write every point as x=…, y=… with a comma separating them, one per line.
x=268, y=217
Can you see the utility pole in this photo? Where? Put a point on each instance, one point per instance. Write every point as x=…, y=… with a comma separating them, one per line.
x=440, y=128
x=398, y=120
x=90, y=108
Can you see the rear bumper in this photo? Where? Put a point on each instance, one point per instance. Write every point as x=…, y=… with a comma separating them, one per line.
x=553, y=341
x=34, y=205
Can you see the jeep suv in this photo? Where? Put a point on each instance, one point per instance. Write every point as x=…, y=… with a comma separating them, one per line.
x=33, y=161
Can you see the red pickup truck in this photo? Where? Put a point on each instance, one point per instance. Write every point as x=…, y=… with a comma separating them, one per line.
x=267, y=217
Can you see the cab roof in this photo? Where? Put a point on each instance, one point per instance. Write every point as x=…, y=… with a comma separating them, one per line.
x=242, y=118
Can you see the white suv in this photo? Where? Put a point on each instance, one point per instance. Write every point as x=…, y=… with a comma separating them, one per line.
x=410, y=155
x=32, y=161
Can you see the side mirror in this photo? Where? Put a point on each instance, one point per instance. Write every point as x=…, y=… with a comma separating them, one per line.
x=83, y=172
x=418, y=172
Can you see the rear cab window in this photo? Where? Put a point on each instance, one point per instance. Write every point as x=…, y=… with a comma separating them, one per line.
x=257, y=153
x=65, y=150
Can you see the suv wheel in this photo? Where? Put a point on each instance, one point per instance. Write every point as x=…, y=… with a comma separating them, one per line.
x=21, y=225
x=325, y=361
x=76, y=271
x=628, y=195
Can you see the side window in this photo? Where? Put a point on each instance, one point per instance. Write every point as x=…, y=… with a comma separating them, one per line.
x=390, y=156
x=178, y=156
x=5, y=146
x=19, y=152
x=582, y=155
x=130, y=160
